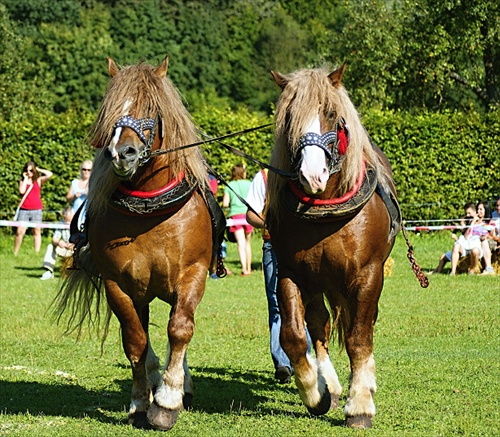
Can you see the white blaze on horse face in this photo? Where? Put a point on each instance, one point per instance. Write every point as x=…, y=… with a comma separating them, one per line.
x=313, y=172
x=118, y=131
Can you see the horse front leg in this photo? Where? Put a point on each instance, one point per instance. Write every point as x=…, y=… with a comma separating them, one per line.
x=176, y=389
x=318, y=324
x=360, y=407
x=135, y=345
x=309, y=380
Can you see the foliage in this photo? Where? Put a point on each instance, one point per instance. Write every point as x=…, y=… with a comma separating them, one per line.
x=53, y=141
x=440, y=161
x=450, y=53
x=432, y=359
x=402, y=55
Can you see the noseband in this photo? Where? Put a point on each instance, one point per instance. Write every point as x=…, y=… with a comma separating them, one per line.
x=139, y=126
x=338, y=138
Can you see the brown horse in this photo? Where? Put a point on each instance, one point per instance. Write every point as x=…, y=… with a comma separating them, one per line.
x=149, y=233
x=343, y=216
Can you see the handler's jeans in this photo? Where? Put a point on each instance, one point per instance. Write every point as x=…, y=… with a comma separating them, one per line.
x=271, y=281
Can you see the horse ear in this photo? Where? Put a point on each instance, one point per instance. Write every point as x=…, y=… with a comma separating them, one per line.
x=280, y=80
x=336, y=76
x=161, y=71
x=112, y=68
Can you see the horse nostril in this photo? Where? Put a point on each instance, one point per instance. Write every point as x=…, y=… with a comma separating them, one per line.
x=129, y=153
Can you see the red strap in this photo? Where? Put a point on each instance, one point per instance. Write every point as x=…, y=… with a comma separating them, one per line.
x=149, y=194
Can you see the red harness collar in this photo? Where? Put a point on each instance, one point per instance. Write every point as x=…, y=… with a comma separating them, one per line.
x=304, y=198
x=149, y=194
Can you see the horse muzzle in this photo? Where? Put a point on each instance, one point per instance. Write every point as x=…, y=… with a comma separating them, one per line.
x=125, y=160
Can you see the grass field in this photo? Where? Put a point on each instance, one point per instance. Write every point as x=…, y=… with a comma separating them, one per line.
x=437, y=353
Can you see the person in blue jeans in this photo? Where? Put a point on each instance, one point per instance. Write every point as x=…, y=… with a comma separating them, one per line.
x=256, y=199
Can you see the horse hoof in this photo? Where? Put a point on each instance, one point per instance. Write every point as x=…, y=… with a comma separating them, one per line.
x=335, y=402
x=187, y=400
x=324, y=405
x=160, y=418
x=139, y=420
x=359, y=422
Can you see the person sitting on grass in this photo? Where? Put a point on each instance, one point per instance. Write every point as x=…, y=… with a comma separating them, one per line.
x=60, y=246
x=470, y=214
x=475, y=242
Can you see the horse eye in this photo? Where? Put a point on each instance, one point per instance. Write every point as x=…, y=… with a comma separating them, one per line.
x=330, y=114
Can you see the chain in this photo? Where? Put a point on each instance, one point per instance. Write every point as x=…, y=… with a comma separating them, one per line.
x=422, y=278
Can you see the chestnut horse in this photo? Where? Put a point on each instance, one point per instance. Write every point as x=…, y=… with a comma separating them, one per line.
x=343, y=216
x=149, y=232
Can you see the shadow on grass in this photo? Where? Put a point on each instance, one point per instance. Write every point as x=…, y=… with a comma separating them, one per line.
x=214, y=394
x=36, y=272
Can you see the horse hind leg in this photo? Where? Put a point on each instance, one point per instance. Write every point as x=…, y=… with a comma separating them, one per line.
x=318, y=324
x=188, y=385
x=152, y=361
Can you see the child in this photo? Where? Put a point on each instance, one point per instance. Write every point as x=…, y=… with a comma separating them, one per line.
x=470, y=214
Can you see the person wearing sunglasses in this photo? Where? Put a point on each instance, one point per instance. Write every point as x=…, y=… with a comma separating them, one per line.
x=31, y=206
x=79, y=188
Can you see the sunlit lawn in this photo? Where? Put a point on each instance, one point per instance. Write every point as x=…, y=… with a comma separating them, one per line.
x=437, y=353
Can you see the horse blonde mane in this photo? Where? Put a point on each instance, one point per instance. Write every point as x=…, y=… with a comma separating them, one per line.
x=306, y=92
x=151, y=96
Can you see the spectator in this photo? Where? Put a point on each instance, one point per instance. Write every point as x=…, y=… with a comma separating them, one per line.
x=31, y=205
x=485, y=230
x=494, y=235
x=233, y=198
x=470, y=214
x=474, y=243
x=79, y=188
x=495, y=215
x=60, y=246
x=256, y=200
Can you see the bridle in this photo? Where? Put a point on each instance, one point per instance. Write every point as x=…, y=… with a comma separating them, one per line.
x=139, y=126
x=334, y=143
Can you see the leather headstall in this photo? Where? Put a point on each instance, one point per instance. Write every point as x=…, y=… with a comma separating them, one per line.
x=333, y=143
x=139, y=126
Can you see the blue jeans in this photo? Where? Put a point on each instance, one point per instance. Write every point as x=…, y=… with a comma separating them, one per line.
x=270, y=268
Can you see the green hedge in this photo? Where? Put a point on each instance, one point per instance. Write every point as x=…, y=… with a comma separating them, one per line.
x=440, y=160
x=54, y=142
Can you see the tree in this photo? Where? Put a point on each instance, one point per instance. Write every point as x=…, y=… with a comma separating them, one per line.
x=452, y=53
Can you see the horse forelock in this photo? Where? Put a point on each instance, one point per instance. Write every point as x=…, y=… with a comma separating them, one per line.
x=308, y=93
x=137, y=91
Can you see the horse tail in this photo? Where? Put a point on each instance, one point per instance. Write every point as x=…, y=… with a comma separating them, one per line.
x=340, y=319
x=81, y=297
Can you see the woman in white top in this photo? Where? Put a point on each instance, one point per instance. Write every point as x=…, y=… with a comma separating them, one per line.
x=79, y=188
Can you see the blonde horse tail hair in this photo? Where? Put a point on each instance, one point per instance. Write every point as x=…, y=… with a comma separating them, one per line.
x=81, y=297
x=340, y=319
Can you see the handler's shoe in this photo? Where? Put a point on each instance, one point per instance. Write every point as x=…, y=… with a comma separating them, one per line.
x=283, y=374
x=47, y=275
